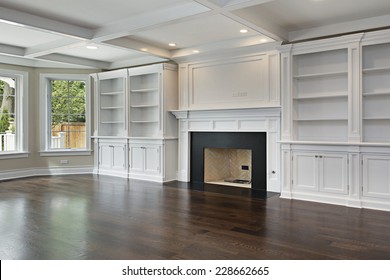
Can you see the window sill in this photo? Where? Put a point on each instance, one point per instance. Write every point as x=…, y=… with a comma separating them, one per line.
x=55, y=153
x=11, y=155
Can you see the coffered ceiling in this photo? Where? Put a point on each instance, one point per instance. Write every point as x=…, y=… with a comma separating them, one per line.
x=122, y=33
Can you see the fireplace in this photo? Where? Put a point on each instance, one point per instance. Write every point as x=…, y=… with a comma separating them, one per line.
x=248, y=170
x=231, y=167
x=245, y=121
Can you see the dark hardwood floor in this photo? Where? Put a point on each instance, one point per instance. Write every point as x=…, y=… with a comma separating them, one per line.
x=100, y=217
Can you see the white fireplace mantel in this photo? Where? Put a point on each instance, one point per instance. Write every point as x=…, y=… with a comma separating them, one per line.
x=231, y=120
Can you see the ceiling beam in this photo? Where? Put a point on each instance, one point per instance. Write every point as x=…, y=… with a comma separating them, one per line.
x=76, y=60
x=53, y=47
x=131, y=44
x=11, y=50
x=341, y=28
x=142, y=60
x=44, y=24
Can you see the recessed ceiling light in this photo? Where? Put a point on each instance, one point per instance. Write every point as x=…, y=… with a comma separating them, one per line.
x=144, y=49
x=244, y=31
x=172, y=44
x=92, y=47
x=264, y=40
x=195, y=51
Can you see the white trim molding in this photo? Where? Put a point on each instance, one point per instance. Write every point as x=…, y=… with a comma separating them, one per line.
x=45, y=114
x=32, y=172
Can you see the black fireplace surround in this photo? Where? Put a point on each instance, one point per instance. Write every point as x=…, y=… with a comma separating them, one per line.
x=255, y=141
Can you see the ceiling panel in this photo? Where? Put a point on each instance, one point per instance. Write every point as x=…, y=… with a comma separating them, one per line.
x=89, y=14
x=24, y=37
x=103, y=53
x=302, y=14
x=194, y=32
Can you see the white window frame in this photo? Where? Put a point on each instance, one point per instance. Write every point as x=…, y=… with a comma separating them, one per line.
x=21, y=114
x=45, y=112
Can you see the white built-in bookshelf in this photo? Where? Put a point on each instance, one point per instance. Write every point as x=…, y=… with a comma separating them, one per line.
x=111, y=105
x=376, y=93
x=145, y=105
x=320, y=96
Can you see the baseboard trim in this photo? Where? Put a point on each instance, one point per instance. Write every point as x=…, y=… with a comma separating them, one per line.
x=32, y=172
x=342, y=201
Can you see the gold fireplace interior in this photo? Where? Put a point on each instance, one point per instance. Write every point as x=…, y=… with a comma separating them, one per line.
x=225, y=166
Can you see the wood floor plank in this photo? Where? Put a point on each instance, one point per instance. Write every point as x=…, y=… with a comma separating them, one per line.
x=102, y=217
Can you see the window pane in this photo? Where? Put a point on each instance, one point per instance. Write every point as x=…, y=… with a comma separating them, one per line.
x=68, y=115
x=7, y=114
x=78, y=119
x=77, y=89
x=59, y=89
x=75, y=140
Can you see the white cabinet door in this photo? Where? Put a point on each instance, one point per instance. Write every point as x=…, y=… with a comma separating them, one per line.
x=136, y=158
x=333, y=173
x=305, y=171
x=145, y=159
x=112, y=156
x=152, y=159
x=105, y=156
x=376, y=176
x=323, y=172
x=118, y=156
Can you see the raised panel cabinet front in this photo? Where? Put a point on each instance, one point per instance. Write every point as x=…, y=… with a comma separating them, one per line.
x=152, y=159
x=305, y=171
x=333, y=170
x=105, y=156
x=119, y=157
x=136, y=158
x=376, y=176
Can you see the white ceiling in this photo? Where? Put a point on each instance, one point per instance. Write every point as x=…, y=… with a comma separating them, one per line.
x=46, y=33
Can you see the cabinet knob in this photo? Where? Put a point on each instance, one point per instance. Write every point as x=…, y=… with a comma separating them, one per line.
x=273, y=172
x=316, y=156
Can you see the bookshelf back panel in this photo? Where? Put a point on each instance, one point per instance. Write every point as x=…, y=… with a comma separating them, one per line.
x=320, y=85
x=376, y=107
x=376, y=82
x=331, y=108
x=333, y=131
x=376, y=56
x=146, y=81
x=145, y=98
x=321, y=62
x=112, y=85
x=144, y=114
x=376, y=131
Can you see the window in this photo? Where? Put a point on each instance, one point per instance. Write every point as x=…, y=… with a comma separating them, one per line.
x=66, y=113
x=13, y=113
